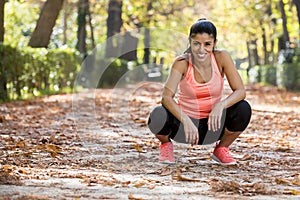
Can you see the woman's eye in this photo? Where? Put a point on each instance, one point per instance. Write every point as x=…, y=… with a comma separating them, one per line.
x=207, y=44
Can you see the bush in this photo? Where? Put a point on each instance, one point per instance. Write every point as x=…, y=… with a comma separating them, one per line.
x=288, y=76
x=255, y=74
x=30, y=72
x=268, y=74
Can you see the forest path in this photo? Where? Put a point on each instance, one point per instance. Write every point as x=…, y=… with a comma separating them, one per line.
x=95, y=145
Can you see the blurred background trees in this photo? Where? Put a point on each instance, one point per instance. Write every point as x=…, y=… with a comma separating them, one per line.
x=43, y=43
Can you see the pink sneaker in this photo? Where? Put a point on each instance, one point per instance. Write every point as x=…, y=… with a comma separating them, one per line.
x=222, y=156
x=166, y=154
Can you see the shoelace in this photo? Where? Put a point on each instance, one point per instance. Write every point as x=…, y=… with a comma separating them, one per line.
x=225, y=152
x=166, y=151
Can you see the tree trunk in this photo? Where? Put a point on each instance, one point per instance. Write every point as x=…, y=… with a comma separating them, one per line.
x=249, y=55
x=147, y=46
x=2, y=3
x=286, y=37
x=81, y=20
x=147, y=36
x=43, y=30
x=274, y=60
x=114, y=24
x=91, y=26
x=264, y=41
x=3, y=82
x=252, y=53
x=65, y=23
x=255, y=52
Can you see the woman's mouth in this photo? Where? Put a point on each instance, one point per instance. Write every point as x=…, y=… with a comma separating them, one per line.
x=201, y=55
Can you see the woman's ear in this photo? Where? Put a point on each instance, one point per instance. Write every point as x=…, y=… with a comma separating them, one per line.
x=215, y=43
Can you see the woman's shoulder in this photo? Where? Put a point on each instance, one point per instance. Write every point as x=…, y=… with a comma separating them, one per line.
x=181, y=63
x=182, y=60
x=221, y=53
x=222, y=57
x=183, y=57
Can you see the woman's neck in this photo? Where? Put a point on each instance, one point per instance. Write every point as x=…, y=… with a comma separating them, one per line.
x=201, y=64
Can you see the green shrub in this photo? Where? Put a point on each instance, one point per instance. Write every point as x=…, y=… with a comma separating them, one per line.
x=288, y=76
x=255, y=74
x=268, y=74
x=30, y=72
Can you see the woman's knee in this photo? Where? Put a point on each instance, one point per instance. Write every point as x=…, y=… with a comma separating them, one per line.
x=238, y=116
x=157, y=119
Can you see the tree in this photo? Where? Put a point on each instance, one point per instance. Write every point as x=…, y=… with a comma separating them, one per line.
x=286, y=38
x=43, y=30
x=147, y=34
x=3, y=87
x=81, y=22
x=114, y=24
x=2, y=3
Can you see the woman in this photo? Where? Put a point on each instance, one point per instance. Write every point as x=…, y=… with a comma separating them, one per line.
x=199, y=116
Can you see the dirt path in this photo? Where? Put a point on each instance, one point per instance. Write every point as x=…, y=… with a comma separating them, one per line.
x=95, y=145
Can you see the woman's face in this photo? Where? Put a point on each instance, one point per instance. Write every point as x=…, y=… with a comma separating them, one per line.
x=202, y=46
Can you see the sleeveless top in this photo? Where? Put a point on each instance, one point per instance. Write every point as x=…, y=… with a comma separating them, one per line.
x=197, y=99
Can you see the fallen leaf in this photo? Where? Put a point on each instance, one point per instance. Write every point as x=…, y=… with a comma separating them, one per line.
x=2, y=118
x=20, y=144
x=53, y=147
x=233, y=186
x=291, y=191
x=53, y=153
x=282, y=181
x=246, y=157
x=179, y=177
x=296, y=181
x=138, y=148
x=131, y=197
x=151, y=187
x=139, y=184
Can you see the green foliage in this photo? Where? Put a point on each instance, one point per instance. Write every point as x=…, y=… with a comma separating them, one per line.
x=268, y=74
x=19, y=22
x=288, y=75
x=30, y=72
x=255, y=74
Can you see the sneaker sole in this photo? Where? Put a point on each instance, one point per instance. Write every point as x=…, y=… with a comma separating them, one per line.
x=167, y=162
x=221, y=163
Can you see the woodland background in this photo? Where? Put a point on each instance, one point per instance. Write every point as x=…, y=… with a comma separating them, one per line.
x=43, y=43
x=67, y=131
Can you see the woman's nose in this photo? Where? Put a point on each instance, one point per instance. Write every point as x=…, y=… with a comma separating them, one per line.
x=201, y=47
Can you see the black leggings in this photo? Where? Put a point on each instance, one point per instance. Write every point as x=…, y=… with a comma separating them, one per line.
x=235, y=118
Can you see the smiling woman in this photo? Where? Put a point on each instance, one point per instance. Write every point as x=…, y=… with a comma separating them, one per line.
x=200, y=116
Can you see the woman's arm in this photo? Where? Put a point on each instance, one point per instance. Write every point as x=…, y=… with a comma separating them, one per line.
x=227, y=66
x=177, y=72
x=171, y=86
x=234, y=80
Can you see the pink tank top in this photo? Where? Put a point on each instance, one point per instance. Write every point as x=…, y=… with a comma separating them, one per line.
x=198, y=99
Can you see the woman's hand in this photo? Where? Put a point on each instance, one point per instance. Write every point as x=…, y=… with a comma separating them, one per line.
x=191, y=131
x=215, y=117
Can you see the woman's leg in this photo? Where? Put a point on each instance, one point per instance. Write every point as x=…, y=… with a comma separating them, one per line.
x=237, y=119
x=164, y=125
x=163, y=138
x=228, y=138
